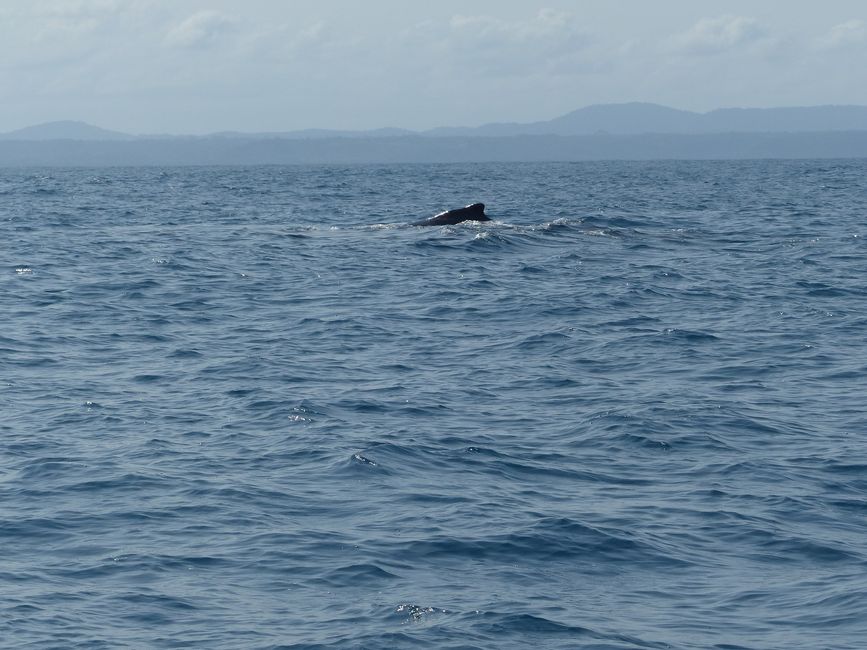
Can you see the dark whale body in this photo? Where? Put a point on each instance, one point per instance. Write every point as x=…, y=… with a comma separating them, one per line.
x=474, y=212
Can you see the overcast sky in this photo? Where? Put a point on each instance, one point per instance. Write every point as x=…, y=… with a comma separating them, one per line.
x=197, y=66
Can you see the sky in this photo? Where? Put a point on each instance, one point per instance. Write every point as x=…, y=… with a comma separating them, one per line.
x=197, y=66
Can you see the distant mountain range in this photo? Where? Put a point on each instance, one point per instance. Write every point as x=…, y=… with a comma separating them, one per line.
x=608, y=119
x=639, y=118
x=610, y=132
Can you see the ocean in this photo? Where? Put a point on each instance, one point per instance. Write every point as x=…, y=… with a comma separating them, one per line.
x=252, y=407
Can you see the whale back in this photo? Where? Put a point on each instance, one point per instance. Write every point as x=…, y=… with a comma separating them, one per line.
x=478, y=212
x=472, y=212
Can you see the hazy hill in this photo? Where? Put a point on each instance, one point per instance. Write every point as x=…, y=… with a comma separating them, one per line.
x=618, y=119
x=637, y=118
x=613, y=119
x=620, y=131
x=65, y=130
x=778, y=120
x=313, y=134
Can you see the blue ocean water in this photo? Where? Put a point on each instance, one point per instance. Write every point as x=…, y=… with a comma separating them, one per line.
x=253, y=408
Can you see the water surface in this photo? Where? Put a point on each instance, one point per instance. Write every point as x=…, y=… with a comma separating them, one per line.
x=252, y=407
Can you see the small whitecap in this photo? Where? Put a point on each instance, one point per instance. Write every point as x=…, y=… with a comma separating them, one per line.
x=23, y=270
x=159, y=260
x=417, y=613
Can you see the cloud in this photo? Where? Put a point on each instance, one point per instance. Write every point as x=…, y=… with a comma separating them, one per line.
x=717, y=35
x=68, y=9
x=485, y=45
x=202, y=29
x=80, y=8
x=848, y=34
x=54, y=36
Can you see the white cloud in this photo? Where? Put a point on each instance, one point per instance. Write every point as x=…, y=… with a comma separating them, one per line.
x=80, y=8
x=71, y=9
x=485, y=45
x=848, y=34
x=54, y=35
x=202, y=29
x=716, y=35
x=285, y=44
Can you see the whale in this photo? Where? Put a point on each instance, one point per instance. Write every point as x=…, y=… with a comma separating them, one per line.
x=472, y=212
